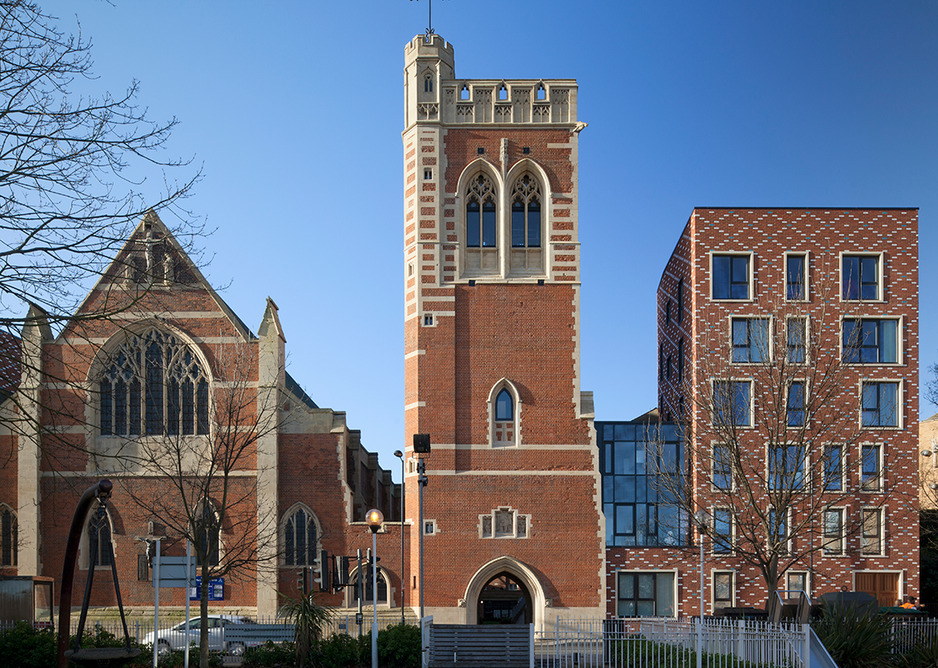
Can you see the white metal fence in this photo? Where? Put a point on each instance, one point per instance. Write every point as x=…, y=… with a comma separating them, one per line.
x=669, y=642
x=906, y=633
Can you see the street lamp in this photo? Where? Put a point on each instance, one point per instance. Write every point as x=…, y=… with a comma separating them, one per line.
x=400, y=455
x=374, y=519
x=701, y=517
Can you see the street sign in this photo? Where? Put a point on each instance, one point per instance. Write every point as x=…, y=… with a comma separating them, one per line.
x=216, y=589
x=173, y=572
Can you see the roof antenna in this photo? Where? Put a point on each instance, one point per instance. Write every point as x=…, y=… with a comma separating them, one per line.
x=429, y=19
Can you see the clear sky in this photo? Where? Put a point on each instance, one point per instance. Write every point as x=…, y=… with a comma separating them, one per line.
x=295, y=110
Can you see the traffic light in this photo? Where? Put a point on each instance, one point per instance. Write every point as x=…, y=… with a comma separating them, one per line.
x=325, y=576
x=302, y=581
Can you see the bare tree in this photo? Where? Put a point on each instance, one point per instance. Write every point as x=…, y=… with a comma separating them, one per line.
x=779, y=467
x=199, y=481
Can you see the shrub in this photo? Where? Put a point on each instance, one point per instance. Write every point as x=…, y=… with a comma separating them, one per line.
x=855, y=637
x=27, y=647
x=269, y=654
x=399, y=646
x=342, y=651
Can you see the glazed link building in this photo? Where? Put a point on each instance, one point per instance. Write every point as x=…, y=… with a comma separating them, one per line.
x=533, y=510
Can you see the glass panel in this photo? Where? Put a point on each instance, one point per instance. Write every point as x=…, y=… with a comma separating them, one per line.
x=534, y=224
x=851, y=277
x=202, y=398
x=869, y=283
x=627, y=608
x=646, y=609
x=517, y=224
x=664, y=594
x=134, y=426
x=625, y=519
x=795, y=277
x=646, y=585
x=722, y=586
x=626, y=452
x=503, y=407
x=889, y=342
x=625, y=488
x=740, y=277
x=472, y=224
x=832, y=469
x=154, y=388
x=488, y=224
x=721, y=277
x=626, y=586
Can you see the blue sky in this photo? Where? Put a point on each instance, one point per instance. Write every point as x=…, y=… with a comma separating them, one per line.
x=295, y=111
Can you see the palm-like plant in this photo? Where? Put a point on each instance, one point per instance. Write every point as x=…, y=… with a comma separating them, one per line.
x=855, y=637
x=309, y=621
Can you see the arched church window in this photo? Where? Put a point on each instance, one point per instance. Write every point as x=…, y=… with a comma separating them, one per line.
x=207, y=530
x=300, y=538
x=8, y=536
x=99, y=538
x=526, y=213
x=154, y=385
x=428, y=83
x=481, y=221
x=504, y=406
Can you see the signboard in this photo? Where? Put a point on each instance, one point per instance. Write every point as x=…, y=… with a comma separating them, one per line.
x=173, y=572
x=216, y=589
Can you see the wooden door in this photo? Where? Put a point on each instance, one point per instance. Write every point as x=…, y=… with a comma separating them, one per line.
x=884, y=586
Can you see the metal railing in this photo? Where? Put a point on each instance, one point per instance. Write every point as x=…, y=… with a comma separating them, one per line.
x=621, y=643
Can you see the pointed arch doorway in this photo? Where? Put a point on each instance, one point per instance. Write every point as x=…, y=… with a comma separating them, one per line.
x=504, y=591
x=504, y=600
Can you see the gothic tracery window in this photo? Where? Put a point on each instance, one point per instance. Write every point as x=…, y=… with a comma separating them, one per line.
x=526, y=213
x=300, y=538
x=154, y=385
x=480, y=213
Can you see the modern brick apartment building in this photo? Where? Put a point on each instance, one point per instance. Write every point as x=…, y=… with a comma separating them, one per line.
x=788, y=359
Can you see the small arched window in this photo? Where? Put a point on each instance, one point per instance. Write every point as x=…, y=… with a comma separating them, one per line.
x=480, y=213
x=428, y=83
x=153, y=385
x=504, y=406
x=207, y=530
x=504, y=414
x=8, y=536
x=368, y=587
x=526, y=213
x=300, y=538
x=99, y=538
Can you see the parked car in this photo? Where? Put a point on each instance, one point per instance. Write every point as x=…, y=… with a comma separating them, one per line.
x=174, y=638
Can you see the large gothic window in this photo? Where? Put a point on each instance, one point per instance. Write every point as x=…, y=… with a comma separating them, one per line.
x=8, y=537
x=481, y=220
x=299, y=536
x=154, y=386
x=525, y=214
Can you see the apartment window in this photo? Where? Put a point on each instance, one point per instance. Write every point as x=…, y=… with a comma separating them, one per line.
x=860, y=277
x=796, y=581
x=786, y=467
x=680, y=359
x=724, y=589
x=833, y=468
x=795, y=404
x=668, y=367
x=871, y=535
x=680, y=301
x=880, y=404
x=660, y=361
x=667, y=312
x=796, y=331
x=833, y=531
x=870, y=341
x=796, y=277
x=730, y=277
x=722, y=466
x=871, y=468
x=646, y=594
x=722, y=531
x=732, y=401
x=750, y=339
x=778, y=530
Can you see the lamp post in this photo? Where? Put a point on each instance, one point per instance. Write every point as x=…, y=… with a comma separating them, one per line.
x=701, y=517
x=400, y=455
x=374, y=518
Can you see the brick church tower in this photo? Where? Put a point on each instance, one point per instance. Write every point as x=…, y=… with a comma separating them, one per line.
x=513, y=530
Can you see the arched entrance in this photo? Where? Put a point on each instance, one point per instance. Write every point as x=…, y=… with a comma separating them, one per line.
x=504, y=600
x=504, y=591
